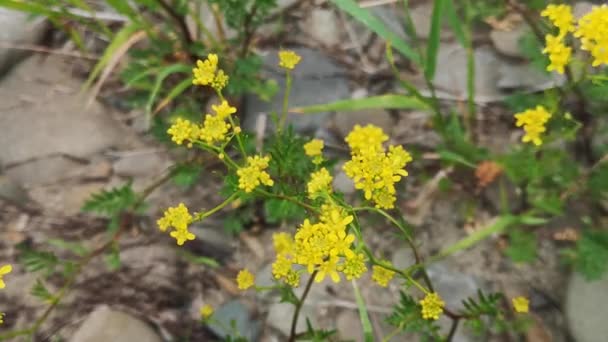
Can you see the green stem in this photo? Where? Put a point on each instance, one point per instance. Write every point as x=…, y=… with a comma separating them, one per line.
x=287, y=198
x=201, y=216
x=283, y=119
x=296, y=314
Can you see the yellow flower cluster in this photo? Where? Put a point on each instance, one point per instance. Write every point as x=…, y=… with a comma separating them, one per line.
x=207, y=73
x=533, y=121
x=213, y=130
x=372, y=168
x=288, y=59
x=520, y=304
x=245, y=279
x=593, y=32
x=206, y=311
x=559, y=54
x=432, y=306
x=320, y=182
x=6, y=269
x=382, y=275
x=324, y=247
x=314, y=149
x=252, y=175
x=561, y=17
x=179, y=218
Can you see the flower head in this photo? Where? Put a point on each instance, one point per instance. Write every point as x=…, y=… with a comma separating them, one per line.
x=533, y=122
x=592, y=29
x=252, y=175
x=1, y=317
x=520, y=304
x=178, y=218
x=354, y=266
x=320, y=182
x=223, y=110
x=559, y=53
x=206, y=311
x=561, y=17
x=6, y=269
x=288, y=59
x=245, y=279
x=432, y=306
x=214, y=129
x=204, y=73
x=382, y=275
x=183, y=130
x=314, y=147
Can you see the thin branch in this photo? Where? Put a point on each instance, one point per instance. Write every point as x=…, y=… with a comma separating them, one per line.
x=294, y=320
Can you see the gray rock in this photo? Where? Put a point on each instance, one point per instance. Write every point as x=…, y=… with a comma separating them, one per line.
x=453, y=286
x=345, y=121
x=105, y=324
x=316, y=80
x=581, y=8
x=17, y=28
x=403, y=258
x=13, y=192
x=451, y=76
x=392, y=16
x=43, y=114
x=342, y=183
x=141, y=164
x=525, y=76
x=322, y=25
x=237, y=312
x=349, y=327
x=55, y=169
x=280, y=316
x=586, y=304
x=507, y=42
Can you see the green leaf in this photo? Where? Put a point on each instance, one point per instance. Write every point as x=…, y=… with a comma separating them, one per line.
x=28, y=7
x=73, y=247
x=522, y=246
x=198, y=260
x=377, y=26
x=455, y=22
x=287, y=295
x=389, y=101
x=277, y=210
x=455, y=158
x=41, y=292
x=113, y=258
x=434, y=39
x=406, y=316
x=35, y=261
x=111, y=202
x=592, y=254
x=176, y=91
x=161, y=76
x=186, y=175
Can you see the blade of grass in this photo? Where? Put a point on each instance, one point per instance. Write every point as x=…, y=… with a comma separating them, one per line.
x=363, y=314
x=389, y=101
x=175, y=92
x=434, y=40
x=454, y=21
x=377, y=26
x=162, y=75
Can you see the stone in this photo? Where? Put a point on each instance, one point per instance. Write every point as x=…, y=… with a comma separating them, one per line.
x=65, y=198
x=316, y=80
x=280, y=316
x=237, y=312
x=105, y=324
x=322, y=25
x=507, y=42
x=141, y=164
x=526, y=77
x=581, y=8
x=13, y=192
x=343, y=183
x=43, y=114
x=163, y=258
x=421, y=18
x=453, y=286
x=403, y=258
x=391, y=16
x=18, y=29
x=451, y=75
x=55, y=168
x=345, y=121
x=349, y=327
x=586, y=303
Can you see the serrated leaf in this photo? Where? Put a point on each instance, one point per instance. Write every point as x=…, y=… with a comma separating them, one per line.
x=41, y=292
x=111, y=202
x=35, y=261
x=113, y=258
x=277, y=210
x=592, y=254
x=522, y=246
x=73, y=247
x=287, y=295
x=186, y=175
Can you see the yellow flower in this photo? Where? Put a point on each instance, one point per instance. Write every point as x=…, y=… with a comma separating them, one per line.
x=592, y=29
x=6, y=269
x=354, y=266
x=214, y=129
x=520, y=304
x=314, y=148
x=293, y=278
x=329, y=268
x=364, y=138
x=204, y=73
x=559, y=53
x=220, y=80
x=561, y=17
x=320, y=182
x=178, y=218
x=533, y=122
x=253, y=174
x=432, y=306
x=183, y=130
x=1, y=317
x=206, y=311
x=382, y=275
x=282, y=266
x=223, y=110
x=288, y=59
x=182, y=235
x=283, y=243
x=245, y=279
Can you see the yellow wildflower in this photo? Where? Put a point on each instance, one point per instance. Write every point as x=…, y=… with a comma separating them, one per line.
x=561, y=17
x=253, y=174
x=329, y=268
x=214, y=129
x=320, y=182
x=223, y=110
x=178, y=218
x=288, y=59
x=206, y=311
x=432, y=306
x=382, y=275
x=282, y=266
x=354, y=266
x=220, y=81
x=592, y=29
x=292, y=278
x=314, y=148
x=1, y=317
x=283, y=243
x=182, y=235
x=204, y=73
x=559, y=53
x=183, y=130
x=364, y=138
x=245, y=279
x=6, y=269
x=533, y=122
x=521, y=304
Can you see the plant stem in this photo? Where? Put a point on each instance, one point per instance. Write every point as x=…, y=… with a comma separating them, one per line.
x=181, y=23
x=453, y=329
x=287, y=198
x=283, y=119
x=201, y=216
x=296, y=314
